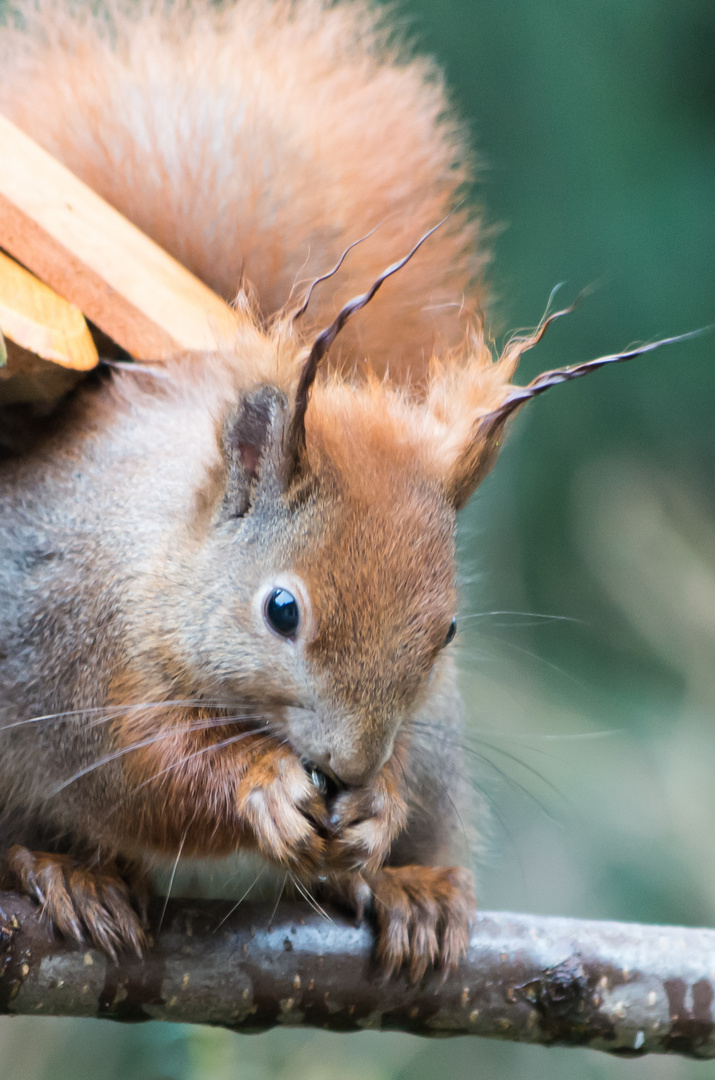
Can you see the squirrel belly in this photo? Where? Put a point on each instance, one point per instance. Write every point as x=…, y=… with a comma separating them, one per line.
x=227, y=594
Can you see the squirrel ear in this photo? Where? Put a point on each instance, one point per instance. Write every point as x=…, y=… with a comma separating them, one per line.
x=480, y=452
x=253, y=443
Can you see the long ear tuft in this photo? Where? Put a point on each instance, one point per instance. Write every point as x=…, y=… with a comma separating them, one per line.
x=547, y=379
x=296, y=432
x=484, y=440
x=303, y=307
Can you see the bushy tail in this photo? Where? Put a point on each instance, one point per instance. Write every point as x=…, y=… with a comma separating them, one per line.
x=254, y=141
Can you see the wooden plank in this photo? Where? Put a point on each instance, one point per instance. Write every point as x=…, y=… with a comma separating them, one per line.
x=36, y=318
x=85, y=250
x=48, y=345
x=26, y=377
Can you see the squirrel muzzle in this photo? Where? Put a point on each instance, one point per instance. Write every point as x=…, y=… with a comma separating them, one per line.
x=352, y=749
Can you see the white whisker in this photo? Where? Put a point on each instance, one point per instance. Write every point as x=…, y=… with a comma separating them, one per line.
x=521, y=614
x=205, y=725
x=182, y=761
x=280, y=896
x=307, y=895
x=238, y=903
x=171, y=884
x=117, y=710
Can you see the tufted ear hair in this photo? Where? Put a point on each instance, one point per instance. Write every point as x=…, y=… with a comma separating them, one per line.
x=295, y=439
x=478, y=452
x=253, y=442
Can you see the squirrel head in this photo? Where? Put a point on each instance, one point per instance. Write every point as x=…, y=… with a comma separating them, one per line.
x=318, y=592
x=322, y=588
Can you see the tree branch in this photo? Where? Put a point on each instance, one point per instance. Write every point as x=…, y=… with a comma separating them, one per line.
x=619, y=987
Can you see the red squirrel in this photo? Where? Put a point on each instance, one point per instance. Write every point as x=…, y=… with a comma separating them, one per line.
x=227, y=594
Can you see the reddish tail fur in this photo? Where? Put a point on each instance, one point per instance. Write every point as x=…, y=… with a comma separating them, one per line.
x=255, y=142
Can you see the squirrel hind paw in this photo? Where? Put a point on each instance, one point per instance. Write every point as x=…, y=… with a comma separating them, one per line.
x=423, y=915
x=81, y=904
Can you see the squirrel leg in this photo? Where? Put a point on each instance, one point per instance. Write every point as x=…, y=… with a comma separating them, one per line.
x=420, y=902
x=79, y=902
x=278, y=803
x=421, y=912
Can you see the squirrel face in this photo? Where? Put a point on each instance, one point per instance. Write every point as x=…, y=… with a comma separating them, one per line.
x=326, y=602
x=377, y=584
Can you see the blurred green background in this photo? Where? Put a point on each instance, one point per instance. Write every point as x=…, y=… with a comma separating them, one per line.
x=593, y=731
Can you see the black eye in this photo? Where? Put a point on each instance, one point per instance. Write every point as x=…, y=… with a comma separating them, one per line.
x=282, y=614
x=451, y=632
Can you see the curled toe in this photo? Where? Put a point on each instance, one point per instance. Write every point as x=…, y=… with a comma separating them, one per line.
x=423, y=916
x=79, y=903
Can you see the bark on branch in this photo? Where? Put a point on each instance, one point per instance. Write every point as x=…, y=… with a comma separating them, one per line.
x=624, y=988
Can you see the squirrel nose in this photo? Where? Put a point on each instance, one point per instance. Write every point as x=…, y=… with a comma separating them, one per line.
x=356, y=769
x=345, y=773
x=349, y=758
x=353, y=774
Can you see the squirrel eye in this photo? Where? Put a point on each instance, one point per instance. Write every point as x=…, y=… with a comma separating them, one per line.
x=282, y=613
x=451, y=632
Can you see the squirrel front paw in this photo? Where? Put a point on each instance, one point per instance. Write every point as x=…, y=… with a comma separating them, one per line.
x=279, y=804
x=364, y=823
x=78, y=902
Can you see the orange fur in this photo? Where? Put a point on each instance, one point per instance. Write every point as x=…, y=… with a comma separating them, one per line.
x=77, y=901
x=423, y=914
x=255, y=141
